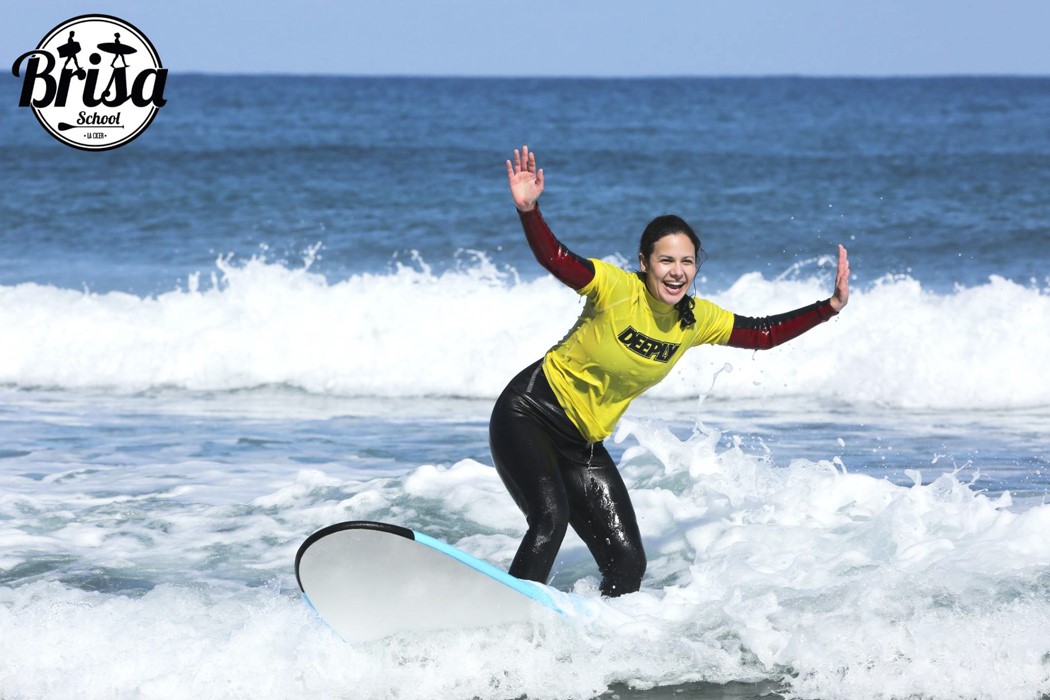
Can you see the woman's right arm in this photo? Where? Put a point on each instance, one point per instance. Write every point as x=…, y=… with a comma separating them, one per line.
x=561, y=262
x=526, y=185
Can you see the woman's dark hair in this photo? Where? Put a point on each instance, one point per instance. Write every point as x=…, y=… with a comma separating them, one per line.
x=664, y=226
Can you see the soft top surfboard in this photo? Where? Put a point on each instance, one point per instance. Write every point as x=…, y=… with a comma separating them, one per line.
x=369, y=580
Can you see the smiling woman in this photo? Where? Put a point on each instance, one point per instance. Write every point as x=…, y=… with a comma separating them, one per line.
x=547, y=426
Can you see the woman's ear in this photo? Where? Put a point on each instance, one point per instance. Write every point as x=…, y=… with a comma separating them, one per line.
x=641, y=262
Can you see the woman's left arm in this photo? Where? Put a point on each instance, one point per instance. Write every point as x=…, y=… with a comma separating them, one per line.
x=768, y=332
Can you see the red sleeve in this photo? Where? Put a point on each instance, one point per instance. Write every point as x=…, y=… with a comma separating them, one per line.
x=561, y=262
x=768, y=332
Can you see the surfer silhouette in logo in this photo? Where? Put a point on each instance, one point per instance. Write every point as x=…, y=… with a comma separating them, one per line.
x=118, y=50
x=69, y=51
x=548, y=425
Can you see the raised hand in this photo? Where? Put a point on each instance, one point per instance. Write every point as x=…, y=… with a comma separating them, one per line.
x=841, y=296
x=526, y=182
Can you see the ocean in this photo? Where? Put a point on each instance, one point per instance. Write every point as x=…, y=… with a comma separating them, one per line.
x=292, y=301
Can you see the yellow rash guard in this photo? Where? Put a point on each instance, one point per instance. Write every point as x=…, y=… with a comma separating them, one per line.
x=624, y=342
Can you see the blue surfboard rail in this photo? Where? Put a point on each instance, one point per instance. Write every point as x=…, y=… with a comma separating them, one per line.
x=527, y=588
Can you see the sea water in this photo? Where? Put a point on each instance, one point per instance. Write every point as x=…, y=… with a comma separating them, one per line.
x=292, y=301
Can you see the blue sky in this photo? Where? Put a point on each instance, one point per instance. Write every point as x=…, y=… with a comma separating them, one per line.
x=573, y=37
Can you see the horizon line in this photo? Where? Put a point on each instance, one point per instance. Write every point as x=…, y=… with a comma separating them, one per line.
x=655, y=76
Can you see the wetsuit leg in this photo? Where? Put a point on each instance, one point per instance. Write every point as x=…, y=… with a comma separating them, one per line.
x=525, y=454
x=603, y=517
x=556, y=477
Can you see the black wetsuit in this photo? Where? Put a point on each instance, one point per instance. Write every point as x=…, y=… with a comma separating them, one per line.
x=558, y=479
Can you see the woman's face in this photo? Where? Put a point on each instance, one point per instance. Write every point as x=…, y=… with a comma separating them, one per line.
x=670, y=269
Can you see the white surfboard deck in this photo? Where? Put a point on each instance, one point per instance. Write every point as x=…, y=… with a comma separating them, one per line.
x=370, y=580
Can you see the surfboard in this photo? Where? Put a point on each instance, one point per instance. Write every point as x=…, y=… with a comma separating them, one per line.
x=368, y=580
x=118, y=49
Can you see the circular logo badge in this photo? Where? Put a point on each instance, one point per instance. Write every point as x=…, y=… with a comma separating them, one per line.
x=95, y=82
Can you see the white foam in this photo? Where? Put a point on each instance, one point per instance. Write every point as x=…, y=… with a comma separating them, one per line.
x=833, y=583
x=410, y=332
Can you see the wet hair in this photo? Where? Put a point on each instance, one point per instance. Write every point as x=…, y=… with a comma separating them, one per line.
x=665, y=226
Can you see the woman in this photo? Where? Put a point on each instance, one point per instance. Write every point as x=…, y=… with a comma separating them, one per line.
x=547, y=426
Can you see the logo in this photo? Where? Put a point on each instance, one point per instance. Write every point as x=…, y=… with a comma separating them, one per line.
x=95, y=82
x=647, y=347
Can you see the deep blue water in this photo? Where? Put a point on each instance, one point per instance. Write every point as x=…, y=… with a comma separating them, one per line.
x=943, y=179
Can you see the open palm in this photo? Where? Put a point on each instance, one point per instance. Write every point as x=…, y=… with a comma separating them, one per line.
x=526, y=182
